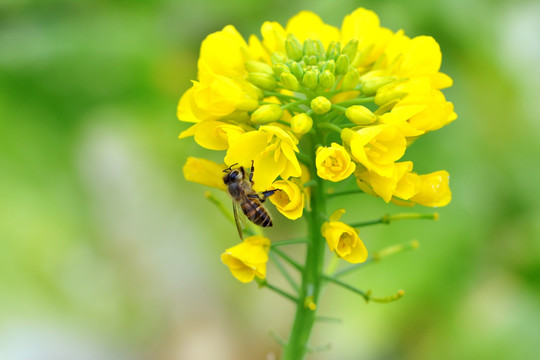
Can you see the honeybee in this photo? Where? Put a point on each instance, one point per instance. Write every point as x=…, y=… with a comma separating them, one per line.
x=245, y=199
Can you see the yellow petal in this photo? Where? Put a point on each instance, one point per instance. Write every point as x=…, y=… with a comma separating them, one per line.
x=308, y=25
x=204, y=172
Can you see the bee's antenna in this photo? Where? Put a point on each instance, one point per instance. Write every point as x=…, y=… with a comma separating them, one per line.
x=230, y=167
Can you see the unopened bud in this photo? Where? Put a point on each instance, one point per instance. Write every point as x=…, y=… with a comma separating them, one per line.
x=320, y=105
x=278, y=58
x=350, y=49
x=293, y=47
x=312, y=60
x=370, y=86
x=289, y=81
x=310, y=48
x=301, y=123
x=327, y=79
x=280, y=68
x=360, y=115
x=350, y=80
x=266, y=114
x=386, y=95
x=262, y=80
x=333, y=50
x=342, y=64
x=320, y=48
x=329, y=65
x=346, y=135
x=310, y=79
x=296, y=70
x=258, y=67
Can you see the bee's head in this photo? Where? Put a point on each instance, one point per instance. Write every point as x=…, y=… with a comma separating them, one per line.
x=233, y=175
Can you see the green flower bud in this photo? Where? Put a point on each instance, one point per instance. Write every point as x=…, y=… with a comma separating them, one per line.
x=327, y=79
x=278, y=58
x=296, y=70
x=258, y=67
x=310, y=79
x=312, y=60
x=293, y=47
x=262, y=80
x=350, y=49
x=301, y=123
x=350, y=80
x=320, y=105
x=329, y=65
x=266, y=114
x=370, y=86
x=280, y=68
x=360, y=115
x=310, y=48
x=342, y=64
x=320, y=48
x=289, y=81
x=333, y=50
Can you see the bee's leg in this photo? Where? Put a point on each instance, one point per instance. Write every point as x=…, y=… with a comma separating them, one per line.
x=251, y=171
x=262, y=196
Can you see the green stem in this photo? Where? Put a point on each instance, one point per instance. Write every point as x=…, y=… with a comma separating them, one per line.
x=280, y=95
x=357, y=101
x=345, y=192
x=312, y=272
x=387, y=219
x=329, y=126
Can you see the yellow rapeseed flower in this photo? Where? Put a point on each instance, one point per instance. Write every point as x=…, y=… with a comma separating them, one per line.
x=402, y=184
x=334, y=163
x=434, y=190
x=290, y=200
x=248, y=259
x=376, y=147
x=343, y=239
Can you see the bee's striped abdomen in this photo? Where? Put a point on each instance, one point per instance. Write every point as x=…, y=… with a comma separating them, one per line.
x=256, y=213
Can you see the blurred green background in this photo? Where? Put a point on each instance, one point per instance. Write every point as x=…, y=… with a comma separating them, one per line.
x=106, y=252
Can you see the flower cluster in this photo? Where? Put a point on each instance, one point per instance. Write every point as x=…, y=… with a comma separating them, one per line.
x=342, y=101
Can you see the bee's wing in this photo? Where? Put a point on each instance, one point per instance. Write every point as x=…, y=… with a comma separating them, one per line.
x=239, y=219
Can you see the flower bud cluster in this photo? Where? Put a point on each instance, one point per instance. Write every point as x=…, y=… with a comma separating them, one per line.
x=308, y=64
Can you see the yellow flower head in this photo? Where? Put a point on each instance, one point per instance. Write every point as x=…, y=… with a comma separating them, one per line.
x=376, y=147
x=343, y=239
x=434, y=190
x=402, y=183
x=272, y=150
x=289, y=200
x=248, y=259
x=334, y=163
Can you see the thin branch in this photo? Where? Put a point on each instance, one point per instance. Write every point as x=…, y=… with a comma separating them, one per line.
x=264, y=283
x=284, y=272
x=289, y=242
x=286, y=257
x=387, y=219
